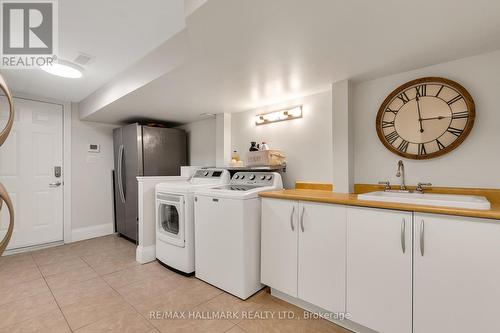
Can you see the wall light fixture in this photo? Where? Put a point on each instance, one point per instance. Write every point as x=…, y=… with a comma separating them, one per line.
x=279, y=115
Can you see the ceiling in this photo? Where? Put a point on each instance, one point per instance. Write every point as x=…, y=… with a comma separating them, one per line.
x=246, y=54
x=116, y=33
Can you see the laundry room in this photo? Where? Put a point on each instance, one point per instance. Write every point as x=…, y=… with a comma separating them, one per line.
x=249, y=166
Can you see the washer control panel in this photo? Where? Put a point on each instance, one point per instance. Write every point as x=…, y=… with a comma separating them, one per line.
x=254, y=178
x=209, y=173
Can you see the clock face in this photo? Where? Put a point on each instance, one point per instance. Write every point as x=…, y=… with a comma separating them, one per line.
x=425, y=118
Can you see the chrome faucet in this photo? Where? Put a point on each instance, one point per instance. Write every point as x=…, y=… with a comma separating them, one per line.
x=420, y=187
x=387, y=185
x=401, y=173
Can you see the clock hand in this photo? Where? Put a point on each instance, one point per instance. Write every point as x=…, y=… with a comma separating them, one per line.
x=419, y=115
x=433, y=118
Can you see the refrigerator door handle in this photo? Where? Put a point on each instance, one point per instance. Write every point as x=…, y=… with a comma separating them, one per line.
x=120, y=177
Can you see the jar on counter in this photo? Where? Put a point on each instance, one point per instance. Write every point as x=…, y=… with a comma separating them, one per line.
x=253, y=146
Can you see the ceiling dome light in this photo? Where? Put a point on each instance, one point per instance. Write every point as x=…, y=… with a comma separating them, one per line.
x=64, y=69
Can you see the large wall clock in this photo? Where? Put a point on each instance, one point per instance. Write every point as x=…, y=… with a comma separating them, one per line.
x=425, y=118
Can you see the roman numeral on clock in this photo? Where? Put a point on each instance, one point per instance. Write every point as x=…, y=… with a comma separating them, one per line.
x=387, y=124
x=439, y=91
x=403, y=146
x=454, y=99
x=391, y=137
x=455, y=131
x=403, y=97
x=460, y=115
x=439, y=144
x=421, y=90
x=421, y=149
x=395, y=112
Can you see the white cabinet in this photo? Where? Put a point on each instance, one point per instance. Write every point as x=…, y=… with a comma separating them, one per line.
x=392, y=271
x=303, y=251
x=279, y=245
x=322, y=254
x=379, y=269
x=456, y=274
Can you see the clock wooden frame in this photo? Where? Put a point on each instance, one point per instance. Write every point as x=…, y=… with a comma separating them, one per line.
x=458, y=87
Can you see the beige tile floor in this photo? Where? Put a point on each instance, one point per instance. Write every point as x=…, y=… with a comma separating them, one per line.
x=97, y=286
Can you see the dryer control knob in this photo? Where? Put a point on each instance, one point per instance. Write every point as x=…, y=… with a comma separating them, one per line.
x=236, y=176
x=262, y=177
x=206, y=173
x=252, y=177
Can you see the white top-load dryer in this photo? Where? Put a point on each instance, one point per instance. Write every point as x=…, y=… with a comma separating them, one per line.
x=227, y=232
x=175, y=218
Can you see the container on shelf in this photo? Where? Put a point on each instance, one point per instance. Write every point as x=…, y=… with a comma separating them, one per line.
x=253, y=146
x=235, y=156
x=270, y=157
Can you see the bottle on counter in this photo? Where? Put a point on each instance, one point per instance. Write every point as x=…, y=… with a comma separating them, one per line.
x=253, y=146
x=264, y=146
x=235, y=156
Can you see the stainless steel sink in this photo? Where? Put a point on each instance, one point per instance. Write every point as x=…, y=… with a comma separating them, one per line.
x=430, y=199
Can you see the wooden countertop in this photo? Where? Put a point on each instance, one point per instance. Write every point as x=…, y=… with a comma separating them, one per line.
x=352, y=200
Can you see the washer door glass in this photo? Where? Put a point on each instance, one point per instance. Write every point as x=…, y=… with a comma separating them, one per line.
x=169, y=219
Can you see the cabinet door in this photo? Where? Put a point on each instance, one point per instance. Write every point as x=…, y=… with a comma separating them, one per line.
x=132, y=167
x=279, y=245
x=322, y=255
x=379, y=272
x=457, y=277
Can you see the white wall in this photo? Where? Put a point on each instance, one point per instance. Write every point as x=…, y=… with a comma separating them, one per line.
x=343, y=137
x=91, y=194
x=307, y=142
x=223, y=127
x=201, y=142
x=474, y=164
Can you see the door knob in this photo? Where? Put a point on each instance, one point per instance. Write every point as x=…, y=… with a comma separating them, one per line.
x=56, y=184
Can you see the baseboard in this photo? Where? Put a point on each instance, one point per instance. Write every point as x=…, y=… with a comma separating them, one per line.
x=145, y=254
x=32, y=248
x=350, y=325
x=92, y=231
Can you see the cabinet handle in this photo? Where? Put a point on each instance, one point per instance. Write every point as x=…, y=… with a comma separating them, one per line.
x=403, y=234
x=422, y=238
x=291, y=219
x=302, y=219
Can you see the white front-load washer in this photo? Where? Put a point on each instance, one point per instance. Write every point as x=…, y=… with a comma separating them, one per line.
x=175, y=218
x=227, y=232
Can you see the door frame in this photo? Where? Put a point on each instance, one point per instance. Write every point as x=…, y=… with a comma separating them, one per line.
x=66, y=174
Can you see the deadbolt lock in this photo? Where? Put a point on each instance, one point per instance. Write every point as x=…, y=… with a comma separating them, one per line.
x=57, y=171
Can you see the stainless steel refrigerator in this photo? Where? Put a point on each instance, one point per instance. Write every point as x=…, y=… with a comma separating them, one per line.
x=142, y=151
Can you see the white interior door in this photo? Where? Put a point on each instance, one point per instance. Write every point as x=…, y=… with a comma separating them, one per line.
x=27, y=161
